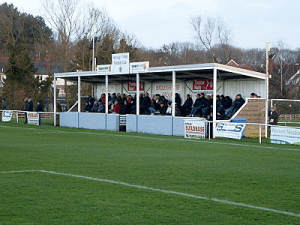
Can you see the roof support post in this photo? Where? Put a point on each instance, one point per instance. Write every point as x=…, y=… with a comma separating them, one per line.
x=54, y=101
x=215, y=71
x=106, y=94
x=79, y=94
x=173, y=91
x=137, y=94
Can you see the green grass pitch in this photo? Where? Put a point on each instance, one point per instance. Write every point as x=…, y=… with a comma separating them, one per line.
x=54, y=175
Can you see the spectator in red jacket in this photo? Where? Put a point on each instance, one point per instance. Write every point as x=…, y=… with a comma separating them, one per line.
x=117, y=108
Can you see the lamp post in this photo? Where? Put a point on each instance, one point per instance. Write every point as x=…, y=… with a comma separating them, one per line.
x=268, y=76
x=267, y=88
x=93, y=65
x=92, y=47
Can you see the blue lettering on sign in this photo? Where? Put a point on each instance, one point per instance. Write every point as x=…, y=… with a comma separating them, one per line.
x=238, y=128
x=103, y=68
x=120, y=62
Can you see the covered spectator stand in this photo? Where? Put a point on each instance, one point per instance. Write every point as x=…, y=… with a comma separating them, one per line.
x=225, y=80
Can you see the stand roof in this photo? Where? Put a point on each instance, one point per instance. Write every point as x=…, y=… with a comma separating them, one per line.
x=183, y=72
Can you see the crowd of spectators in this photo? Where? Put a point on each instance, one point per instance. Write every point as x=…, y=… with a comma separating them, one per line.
x=159, y=105
x=122, y=104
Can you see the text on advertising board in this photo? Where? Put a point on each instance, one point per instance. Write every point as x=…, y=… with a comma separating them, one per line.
x=120, y=63
x=194, y=128
x=203, y=84
x=230, y=130
x=104, y=69
x=285, y=135
x=139, y=67
x=132, y=86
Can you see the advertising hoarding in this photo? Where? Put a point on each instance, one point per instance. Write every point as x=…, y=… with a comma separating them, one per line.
x=203, y=85
x=33, y=118
x=104, y=69
x=7, y=115
x=120, y=63
x=194, y=128
x=139, y=67
x=285, y=135
x=132, y=86
x=230, y=130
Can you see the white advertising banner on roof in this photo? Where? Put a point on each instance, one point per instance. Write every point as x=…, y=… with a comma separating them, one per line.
x=120, y=63
x=139, y=67
x=104, y=69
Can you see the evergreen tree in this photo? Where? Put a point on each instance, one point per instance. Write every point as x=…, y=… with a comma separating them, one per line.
x=21, y=81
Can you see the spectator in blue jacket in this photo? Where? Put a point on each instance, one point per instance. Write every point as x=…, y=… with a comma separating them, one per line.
x=207, y=106
x=4, y=104
x=145, y=104
x=29, y=105
x=95, y=107
x=101, y=107
x=163, y=109
x=236, y=105
x=39, y=108
x=198, y=105
x=187, y=106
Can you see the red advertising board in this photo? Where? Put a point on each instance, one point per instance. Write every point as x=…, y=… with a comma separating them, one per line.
x=132, y=86
x=203, y=84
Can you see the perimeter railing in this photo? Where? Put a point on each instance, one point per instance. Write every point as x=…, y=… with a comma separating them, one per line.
x=18, y=116
x=260, y=128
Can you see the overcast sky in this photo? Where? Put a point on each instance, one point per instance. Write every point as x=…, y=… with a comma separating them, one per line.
x=158, y=22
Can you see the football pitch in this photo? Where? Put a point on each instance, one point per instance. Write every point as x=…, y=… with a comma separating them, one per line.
x=55, y=175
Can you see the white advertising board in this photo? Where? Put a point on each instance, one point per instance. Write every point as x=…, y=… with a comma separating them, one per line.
x=285, y=135
x=194, y=128
x=139, y=67
x=33, y=118
x=103, y=69
x=120, y=63
x=7, y=115
x=230, y=130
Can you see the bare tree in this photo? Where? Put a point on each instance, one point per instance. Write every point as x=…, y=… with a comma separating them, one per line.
x=284, y=60
x=72, y=20
x=211, y=32
x=204, y=30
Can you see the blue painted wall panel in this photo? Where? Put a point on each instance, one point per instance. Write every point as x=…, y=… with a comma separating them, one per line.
x=68, y=119
x=113, y=122
x=178, y=126
x=96, y=121
x=131, y=123
x=161, y=125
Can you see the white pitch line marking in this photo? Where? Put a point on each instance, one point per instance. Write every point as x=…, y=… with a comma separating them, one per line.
x=20, y=171
x=158, y=190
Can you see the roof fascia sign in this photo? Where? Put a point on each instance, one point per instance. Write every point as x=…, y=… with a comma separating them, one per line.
x=104, y=69
x=120, y=63
x=139, y=67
